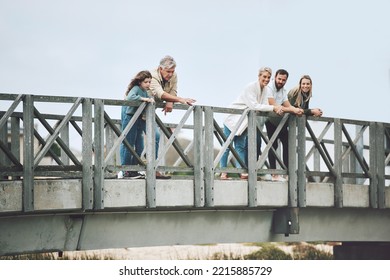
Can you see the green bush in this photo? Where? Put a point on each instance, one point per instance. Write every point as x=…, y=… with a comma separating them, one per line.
x=268, y=253
x=223, y=256
x=308, y=252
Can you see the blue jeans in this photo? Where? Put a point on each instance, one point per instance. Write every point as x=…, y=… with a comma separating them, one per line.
x=135, y=137
x=157, y=141
x=240, y=144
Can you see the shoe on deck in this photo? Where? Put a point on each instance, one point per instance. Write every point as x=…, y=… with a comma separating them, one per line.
x=244, y=176
x=224, y=176
x=278, y=178
x=162, y=176
x=133, y=175
x=265, y=177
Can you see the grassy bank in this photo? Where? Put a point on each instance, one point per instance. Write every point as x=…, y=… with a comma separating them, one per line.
x=252, y=251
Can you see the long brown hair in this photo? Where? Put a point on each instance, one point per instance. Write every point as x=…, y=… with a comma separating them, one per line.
x=136, y=81
x=295, y=92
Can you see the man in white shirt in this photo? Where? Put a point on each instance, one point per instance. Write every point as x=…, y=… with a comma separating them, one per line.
x=279, y=93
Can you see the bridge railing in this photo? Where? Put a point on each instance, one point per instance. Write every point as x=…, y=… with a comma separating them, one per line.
x=321, y=150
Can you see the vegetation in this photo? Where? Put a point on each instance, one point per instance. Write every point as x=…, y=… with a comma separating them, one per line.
x=267, y=251
x=270, y=251
x=55, y=256
x=308, y=252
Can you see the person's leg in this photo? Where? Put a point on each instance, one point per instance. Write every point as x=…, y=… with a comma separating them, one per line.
x=241, y=146
x=126, y=157
x=270, y=132
x=258, y=144
x=122, y=147
x=124, y=151
x=284, y=139
x=140, y=127
x=136, y=141
x=157, y=140
x=225, y=156
x=260, y=120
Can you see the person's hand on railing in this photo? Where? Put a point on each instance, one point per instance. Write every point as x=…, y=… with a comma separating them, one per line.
x=278, y=109
x=149, y=100
x=188, y=101
x=298, y=111
x=316, y=112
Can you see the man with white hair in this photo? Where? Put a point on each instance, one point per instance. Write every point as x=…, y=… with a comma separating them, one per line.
x=164, y=87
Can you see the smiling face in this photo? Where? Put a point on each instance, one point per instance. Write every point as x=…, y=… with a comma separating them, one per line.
x=167, y=74
x=305, y=85
x=280, y=81
x=145, y=84
x=264, y=78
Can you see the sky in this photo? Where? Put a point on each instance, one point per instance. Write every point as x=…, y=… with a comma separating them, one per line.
x=93, y=48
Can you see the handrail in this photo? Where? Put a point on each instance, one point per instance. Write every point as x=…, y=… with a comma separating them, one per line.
x=317, y=153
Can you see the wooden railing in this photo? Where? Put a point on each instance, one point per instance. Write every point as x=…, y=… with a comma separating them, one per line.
x=68, y=137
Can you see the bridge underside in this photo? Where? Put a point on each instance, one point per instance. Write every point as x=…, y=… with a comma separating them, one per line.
x=70, y=232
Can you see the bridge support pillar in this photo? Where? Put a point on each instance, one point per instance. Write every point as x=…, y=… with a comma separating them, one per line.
x=285, y=221
x=362, y=251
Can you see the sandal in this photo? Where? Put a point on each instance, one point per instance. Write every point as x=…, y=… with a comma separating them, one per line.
x=224, y=176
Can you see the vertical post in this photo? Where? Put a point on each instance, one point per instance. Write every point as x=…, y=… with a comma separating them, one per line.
x=252, y=159
x=65, y=139
x=4, y=160
x=28, y=154
x=15, y=139
x=150, y=155
x=3, y=137
x=345, y=165
x=338, y=181
x=316, y=164
x=99, y=155
x=352, y=158
x=373, y=166
x=301, y=163
x=292, y=162
x=198, y=157
x=209, y=156
x=110, y=139
x=359, y=148
x=380, y=155
x=87, y=140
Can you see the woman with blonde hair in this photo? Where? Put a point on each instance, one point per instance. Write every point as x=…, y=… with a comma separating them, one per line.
x=255, y=96
x=300, y=96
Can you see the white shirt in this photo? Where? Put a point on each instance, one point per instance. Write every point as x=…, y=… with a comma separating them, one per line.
x=280, y=96
x=253, y=98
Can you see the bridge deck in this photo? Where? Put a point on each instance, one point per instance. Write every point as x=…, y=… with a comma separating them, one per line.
x=61, y=194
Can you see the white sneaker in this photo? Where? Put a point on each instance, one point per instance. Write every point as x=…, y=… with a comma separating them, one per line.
x=265, y=177
x=278, y=178
x=120, y=175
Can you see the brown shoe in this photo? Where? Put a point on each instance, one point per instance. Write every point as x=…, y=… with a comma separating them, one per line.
x=224, y=176
x=244, y=176
x=161, y=176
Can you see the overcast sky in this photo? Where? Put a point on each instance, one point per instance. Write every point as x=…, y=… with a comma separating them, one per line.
x=93, y=48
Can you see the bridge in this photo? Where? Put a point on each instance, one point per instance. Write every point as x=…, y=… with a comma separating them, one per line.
x=54, y=197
